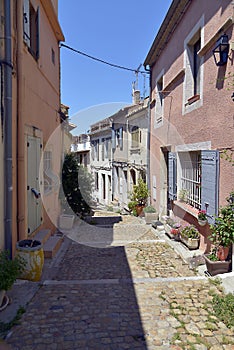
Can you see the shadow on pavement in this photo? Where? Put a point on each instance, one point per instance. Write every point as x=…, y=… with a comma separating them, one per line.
x=89, y=304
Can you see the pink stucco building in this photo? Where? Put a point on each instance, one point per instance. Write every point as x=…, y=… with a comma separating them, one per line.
x=191, y=103
x=32, y=113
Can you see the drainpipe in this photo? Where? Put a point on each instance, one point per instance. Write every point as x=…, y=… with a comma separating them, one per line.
x=8, y=127
x=148, y=133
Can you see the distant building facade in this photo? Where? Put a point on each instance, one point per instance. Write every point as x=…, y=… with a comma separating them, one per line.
x=81, y=146
x=119, y=153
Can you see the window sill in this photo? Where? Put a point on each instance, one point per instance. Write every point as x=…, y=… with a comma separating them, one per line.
x=192, y=99
x=135, y=150
x=188, y=208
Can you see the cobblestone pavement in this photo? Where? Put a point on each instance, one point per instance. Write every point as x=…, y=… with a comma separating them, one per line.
x=138, y=296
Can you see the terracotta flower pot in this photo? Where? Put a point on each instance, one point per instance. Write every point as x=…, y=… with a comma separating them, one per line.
x=139, y=209
x=222, y=253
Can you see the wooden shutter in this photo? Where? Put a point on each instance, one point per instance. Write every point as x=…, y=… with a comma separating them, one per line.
x=92, y=149
x=113, y=138
x=103, y=149
x=172, y=178
x=154, y=188
x=121, y=138
x=26, y=22
x=121, y=185
x=210, y=183
x=37, y=24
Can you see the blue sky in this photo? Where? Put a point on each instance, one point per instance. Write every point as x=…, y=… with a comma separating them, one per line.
x=119, y=32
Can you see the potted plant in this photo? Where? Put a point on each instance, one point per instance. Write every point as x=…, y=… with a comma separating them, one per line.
x=190, y=236
x=214, y=265
x=139, y=197
x=10, y=270
x=201, y=217
x=150, y=214
x=183, y=195
x=222, y=236
x=172, y=228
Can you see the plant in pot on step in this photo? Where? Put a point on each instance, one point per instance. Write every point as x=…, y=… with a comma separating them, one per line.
x=150, y=214
x=172, y=228
x=201, y=217
x=10, y=270
x=222, y=237
x=138, y=197
x=190, y=236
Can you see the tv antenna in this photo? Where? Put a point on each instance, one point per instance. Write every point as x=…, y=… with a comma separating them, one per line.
x=135, y=84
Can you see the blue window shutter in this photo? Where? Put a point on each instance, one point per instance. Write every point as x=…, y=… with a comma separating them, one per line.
x=210, y=183
x=113, y=141
x=172, y=186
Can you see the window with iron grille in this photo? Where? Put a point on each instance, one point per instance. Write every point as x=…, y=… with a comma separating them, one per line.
x=191, y=177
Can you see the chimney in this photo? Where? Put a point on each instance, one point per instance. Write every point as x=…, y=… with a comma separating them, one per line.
x=136, y=99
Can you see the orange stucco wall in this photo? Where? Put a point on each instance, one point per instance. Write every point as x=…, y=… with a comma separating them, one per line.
x=36, y=103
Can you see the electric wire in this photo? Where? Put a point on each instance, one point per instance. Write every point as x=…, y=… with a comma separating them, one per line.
x=102, y=61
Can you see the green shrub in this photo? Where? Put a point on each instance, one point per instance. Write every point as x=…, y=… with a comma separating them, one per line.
x=77, y=184
x=149, y=209
x=109, y=208
x=222, y=232
x=223, y=307
x=140, y=193
x=190, y=231
x=10, y=269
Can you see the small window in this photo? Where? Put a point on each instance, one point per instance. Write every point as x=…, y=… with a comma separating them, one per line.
x=103, y=149
x=53, y=56
x=119, y=138
x=96, y=149
x=135, y=134
x=196, y=67
x=96, y=181
x=159, y=103
x=193, y=64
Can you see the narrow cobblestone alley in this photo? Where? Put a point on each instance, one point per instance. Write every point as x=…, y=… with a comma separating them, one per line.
x=141, y=295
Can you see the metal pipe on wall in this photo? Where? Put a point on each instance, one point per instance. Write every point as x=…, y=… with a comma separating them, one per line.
x=8, y=127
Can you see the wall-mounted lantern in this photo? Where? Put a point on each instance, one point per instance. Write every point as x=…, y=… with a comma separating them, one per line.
x=220, y=51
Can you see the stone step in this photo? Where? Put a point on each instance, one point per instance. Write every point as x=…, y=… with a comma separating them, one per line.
x=43, y=235
x=52, y=246
x=103, y=220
